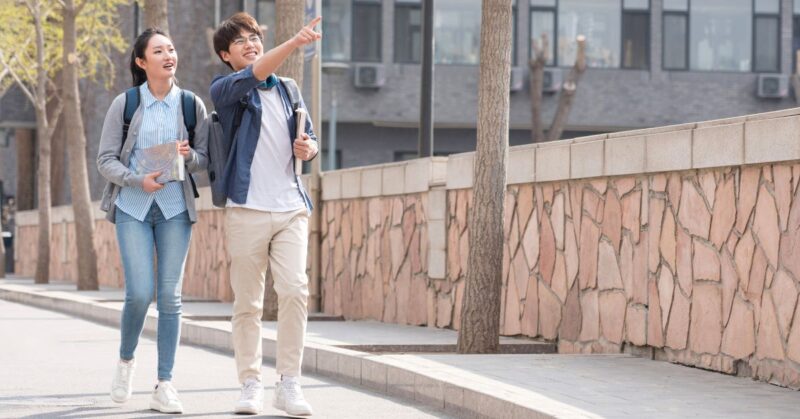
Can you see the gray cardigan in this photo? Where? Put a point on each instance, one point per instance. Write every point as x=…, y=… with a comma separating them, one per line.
x=113, y=157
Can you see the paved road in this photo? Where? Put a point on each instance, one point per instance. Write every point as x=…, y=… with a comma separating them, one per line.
x=56, y=366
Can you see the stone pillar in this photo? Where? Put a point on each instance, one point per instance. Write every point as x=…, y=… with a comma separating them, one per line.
x=437, y=233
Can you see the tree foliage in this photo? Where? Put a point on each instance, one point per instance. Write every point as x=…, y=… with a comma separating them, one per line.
x=98, y=37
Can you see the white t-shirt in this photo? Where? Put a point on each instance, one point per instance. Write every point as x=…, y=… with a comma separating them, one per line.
x=273, y=186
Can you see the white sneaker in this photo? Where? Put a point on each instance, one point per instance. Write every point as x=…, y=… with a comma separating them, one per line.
x=165, y=398
x=121, y=385
x=289, y=397
x=252, y=399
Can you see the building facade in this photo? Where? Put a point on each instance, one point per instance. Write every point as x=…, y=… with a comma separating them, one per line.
x=650, y=63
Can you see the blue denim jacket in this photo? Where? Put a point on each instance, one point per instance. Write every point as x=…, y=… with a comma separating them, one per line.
x=226, y=93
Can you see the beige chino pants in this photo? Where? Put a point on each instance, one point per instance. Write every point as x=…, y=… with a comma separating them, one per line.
x=256, y=239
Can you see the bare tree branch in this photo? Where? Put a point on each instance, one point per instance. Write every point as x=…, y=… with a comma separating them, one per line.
x=17, y=79
x=568, y=91
x=537, y=80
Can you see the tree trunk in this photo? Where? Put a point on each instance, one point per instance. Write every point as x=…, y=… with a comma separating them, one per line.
x=289, y=19
x=568, y=91
x=58, y=153
x=26, y=166
x=155, y=14
x=43, y=136
x=43, y=192
x=79, y=178
x=480, y=318
x=537, y=81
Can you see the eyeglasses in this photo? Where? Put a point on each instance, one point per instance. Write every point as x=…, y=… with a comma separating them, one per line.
x=254, y=39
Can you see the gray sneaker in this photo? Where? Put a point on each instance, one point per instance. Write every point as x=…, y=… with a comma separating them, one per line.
x=289, y=397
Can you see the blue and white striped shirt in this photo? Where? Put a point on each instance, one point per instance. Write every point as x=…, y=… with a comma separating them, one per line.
x=159, y=126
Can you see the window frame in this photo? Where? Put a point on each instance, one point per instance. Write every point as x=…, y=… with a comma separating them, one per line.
x=411, y=7
x=347, y=57
x=554, y=11
x=635, y=12
x=353, y=23
x=687, y=40
x=777, y=17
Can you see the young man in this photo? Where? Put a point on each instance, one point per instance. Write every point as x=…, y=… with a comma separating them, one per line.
x=266, y=215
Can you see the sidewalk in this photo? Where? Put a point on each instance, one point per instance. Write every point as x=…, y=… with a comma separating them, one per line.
x=530, y=385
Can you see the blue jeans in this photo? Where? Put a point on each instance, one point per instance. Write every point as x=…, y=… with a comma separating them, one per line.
x=137, y=242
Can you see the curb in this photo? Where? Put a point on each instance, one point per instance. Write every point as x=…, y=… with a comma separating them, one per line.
x=464, y=395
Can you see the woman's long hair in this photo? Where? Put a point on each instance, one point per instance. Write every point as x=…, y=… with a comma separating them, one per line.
x=137, y=73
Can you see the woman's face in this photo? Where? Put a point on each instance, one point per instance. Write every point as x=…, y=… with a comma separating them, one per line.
x=160, y=58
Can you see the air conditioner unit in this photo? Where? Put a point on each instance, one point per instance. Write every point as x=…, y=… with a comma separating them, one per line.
x=517, y=79
x=552, y=80
x=773, y=85
x=370, y=76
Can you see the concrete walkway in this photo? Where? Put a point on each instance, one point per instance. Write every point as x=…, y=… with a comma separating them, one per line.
x=509, y=386
x=62, y=368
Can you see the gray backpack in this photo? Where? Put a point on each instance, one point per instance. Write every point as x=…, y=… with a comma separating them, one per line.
x=219, y=150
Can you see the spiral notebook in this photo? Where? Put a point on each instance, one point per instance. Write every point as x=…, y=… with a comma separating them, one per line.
x=163, y=158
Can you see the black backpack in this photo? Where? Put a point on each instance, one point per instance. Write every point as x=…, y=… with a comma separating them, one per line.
x=132, y=100
x=219, y=150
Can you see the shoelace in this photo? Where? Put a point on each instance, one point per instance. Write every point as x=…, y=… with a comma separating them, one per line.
x=250, y=389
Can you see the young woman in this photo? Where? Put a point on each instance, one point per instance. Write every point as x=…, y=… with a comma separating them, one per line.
x=152, y=219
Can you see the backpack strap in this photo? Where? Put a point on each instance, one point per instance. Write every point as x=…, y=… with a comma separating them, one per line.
x=189, y=114
x=131, y=104
x=291, y=89
x=190, y=122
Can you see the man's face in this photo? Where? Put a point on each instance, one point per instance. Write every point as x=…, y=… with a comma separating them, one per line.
x=243, y=51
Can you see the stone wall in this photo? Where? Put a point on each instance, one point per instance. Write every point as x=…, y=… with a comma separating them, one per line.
x=675, y=241
x=206, y=274
x=678, y=242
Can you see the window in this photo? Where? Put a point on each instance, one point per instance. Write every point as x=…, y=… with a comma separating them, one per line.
x=352, y=30
x=265, y=14
x=336, y=29
x=407, y=31
x=676, y=52
x=635, y=34
x=722, y=35
x=367, y=24
x=457, y=30
x=456, y=27
x=676, y=5
x=543, y=22
x=766, y=29
x=599, y=21
x=617, y=31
